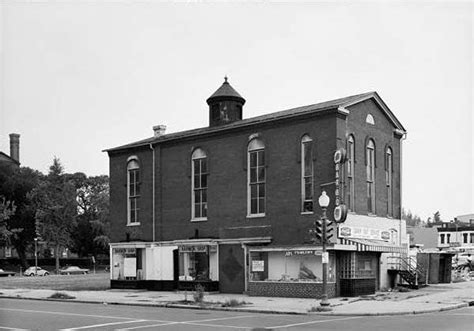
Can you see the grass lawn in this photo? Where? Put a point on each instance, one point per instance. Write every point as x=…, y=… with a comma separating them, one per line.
x=90, y=282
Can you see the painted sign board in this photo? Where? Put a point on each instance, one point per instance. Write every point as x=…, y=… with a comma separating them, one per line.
x=130, y=267
x=363, y=233
x=258, y=265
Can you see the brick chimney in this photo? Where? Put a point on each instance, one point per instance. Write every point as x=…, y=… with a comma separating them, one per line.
x=15, y=146
x=159, y=130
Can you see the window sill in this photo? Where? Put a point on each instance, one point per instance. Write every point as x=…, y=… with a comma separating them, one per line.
x=133, y=224
x=202, y=219
x=256, y=216
x=307, y=213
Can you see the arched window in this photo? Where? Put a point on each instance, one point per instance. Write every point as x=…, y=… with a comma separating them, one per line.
x=199, y=185
x=350, y=173
x=370, y=155
x=388, y=180
x=133, y=191
x=307, y=174
x=256, y=178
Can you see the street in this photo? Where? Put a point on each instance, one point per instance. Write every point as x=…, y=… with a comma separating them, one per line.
x=22, y=314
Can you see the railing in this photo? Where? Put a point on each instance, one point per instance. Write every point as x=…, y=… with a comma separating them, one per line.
x=408, y=268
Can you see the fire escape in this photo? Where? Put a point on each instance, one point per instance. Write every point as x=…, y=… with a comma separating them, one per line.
x=410, y=271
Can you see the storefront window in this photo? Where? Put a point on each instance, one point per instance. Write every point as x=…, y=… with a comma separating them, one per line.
x=198, y=263
x=289, y=266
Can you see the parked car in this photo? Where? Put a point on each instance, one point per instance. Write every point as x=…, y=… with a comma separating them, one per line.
x=6, y=273
x=39, y=272
x=71, y=270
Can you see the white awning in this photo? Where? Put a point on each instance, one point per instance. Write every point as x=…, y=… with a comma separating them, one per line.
x=372, y=245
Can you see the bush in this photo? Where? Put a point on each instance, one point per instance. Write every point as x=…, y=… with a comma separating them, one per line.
x=233, y=303
x=61, y=295
x=198, y=294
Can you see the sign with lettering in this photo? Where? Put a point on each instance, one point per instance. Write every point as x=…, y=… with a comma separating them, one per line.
x=125, y=251
x=363, y=233
x=258, y=265
x=193, y=248
x=303, y=252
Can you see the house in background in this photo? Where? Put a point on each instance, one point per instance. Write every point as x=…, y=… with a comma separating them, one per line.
x=14, y=158
x=229, y=206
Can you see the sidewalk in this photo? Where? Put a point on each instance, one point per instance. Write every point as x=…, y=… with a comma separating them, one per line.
x=429, y=299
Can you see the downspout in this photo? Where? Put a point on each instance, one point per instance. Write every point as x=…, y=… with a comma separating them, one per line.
x=404, y=137
x=153, y=190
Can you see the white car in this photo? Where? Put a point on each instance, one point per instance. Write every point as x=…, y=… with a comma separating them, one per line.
x=39, y=272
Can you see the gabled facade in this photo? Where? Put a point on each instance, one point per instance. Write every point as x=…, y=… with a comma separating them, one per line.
x=229, y=206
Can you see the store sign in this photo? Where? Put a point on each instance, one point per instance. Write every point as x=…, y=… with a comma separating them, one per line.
x=258, y=265
x=303, y=252
x=125, y=251
x=325, y=257
x=130, y=267
x=193, y=248
x=363, y=233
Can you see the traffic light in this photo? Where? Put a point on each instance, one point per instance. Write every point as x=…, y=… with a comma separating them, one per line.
x=316, y=231
x=329, y=229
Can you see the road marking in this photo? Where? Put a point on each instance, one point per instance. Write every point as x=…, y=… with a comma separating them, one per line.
x=218, y=326
x=459, y=314
x=6, y=328
x=196, y=322
x=312, y=322
x=63, y=313
x=218, y=319
x=101, y=325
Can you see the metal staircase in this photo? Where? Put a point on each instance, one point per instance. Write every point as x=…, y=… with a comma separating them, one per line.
x=409, y=270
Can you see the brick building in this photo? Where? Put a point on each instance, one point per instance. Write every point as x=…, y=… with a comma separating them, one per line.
x=229, y=205
x=14, y=158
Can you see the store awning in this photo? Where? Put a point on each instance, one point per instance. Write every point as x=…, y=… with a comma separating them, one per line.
x=372, y=245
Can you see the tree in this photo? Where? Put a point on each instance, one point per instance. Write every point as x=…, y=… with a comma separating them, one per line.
x=15, y=185
x=411, y=219
x=6, y=210
x=91, y=232
x=56, y=208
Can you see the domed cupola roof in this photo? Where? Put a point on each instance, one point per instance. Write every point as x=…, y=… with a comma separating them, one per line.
x=225, y=92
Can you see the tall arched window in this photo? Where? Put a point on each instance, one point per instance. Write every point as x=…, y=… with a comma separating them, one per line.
x=350, y=173
x=256, y=178
x=199, y=185
x=370, y=155
x=388, y=180
x=306, y=174
x=133, y=191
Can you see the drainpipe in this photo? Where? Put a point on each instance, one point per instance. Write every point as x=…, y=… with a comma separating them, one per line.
x=404, y=137
x=153, y=189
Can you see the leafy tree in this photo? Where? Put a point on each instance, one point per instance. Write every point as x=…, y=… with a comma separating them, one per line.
x=91, y=232
x=6, y=210
x=411, y=219
x=16, y=185
x=56, y=208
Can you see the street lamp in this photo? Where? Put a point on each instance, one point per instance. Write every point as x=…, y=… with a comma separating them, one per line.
x=36, y=256
x=324, y=203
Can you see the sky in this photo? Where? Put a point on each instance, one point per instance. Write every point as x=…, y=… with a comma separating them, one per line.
x=77, y=77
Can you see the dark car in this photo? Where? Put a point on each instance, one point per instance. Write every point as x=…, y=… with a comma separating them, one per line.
x=71, y=270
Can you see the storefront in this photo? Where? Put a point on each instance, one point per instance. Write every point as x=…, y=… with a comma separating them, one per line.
x=289, y=272
x=198, y=264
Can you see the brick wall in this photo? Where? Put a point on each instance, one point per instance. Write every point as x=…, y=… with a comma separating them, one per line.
x=290, y=289
x=227, y=181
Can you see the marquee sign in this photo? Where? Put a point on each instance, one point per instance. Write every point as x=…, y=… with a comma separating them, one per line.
x=340, y=211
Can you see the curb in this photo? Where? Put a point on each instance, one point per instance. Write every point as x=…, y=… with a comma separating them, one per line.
x=249, y=310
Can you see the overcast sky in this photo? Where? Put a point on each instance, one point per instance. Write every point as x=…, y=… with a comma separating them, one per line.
x=81, y=76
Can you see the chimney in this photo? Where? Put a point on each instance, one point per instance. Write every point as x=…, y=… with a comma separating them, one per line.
x=15, y=146
x=159, y=130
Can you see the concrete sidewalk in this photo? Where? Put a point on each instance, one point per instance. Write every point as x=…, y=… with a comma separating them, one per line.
x=429, y=299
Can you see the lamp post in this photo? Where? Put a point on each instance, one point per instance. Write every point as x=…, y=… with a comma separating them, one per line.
x=36, y=256
x=324, y=203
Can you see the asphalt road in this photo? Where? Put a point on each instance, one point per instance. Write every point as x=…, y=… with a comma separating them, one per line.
x=21, y=314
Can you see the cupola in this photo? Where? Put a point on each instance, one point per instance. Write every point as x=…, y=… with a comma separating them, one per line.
x=225, y=105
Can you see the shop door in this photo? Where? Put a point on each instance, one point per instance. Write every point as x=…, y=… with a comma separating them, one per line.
x=175, y=268
x=231, y=269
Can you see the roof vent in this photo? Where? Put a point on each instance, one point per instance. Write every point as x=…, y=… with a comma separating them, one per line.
x=159, y=130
